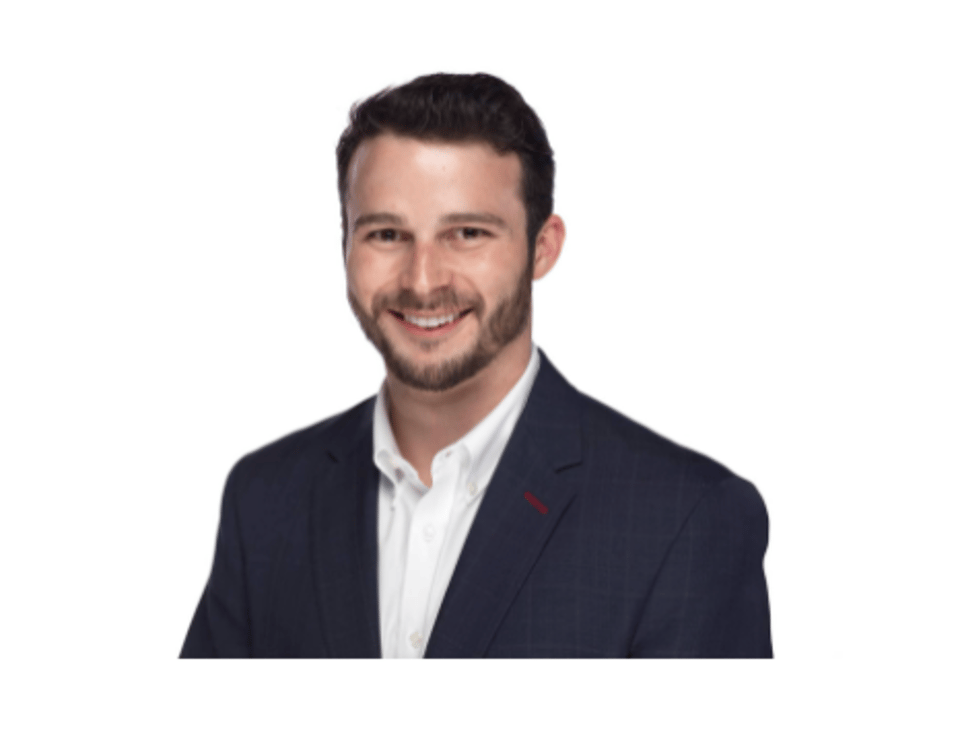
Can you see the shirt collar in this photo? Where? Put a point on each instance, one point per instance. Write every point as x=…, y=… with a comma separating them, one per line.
x=483, y=445
x=386, y=454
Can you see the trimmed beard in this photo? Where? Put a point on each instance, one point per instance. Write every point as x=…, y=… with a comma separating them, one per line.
x=505, y=323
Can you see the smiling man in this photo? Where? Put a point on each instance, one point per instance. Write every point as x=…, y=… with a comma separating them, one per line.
x=478, y=505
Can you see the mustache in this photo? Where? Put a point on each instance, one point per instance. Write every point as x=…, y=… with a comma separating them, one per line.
x=441, y=300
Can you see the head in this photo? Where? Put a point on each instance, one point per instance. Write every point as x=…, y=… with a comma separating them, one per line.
x=446, y=197
x=458, y=108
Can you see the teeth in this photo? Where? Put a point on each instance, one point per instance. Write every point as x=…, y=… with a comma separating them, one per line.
x=429, y=322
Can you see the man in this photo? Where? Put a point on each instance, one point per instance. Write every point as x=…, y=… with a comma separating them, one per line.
x=478, y=505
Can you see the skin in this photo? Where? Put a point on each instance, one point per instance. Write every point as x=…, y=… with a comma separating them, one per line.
x=439, y=228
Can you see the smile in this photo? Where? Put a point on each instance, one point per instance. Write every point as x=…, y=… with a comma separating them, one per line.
x=429, y=324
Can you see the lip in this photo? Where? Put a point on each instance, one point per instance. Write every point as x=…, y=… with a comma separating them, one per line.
x=430, y=332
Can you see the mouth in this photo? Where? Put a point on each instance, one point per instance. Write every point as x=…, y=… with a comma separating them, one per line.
x=433, y=325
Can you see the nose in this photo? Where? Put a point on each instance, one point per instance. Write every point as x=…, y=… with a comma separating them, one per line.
x=426, y=268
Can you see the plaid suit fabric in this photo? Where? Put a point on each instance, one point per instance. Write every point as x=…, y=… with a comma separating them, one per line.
x=638, y=548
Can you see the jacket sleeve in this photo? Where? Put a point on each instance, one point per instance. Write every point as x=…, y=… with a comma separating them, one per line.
x=710, y=595
x=220, y=626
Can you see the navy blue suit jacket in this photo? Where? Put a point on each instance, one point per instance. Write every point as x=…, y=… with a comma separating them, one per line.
x=645, y=549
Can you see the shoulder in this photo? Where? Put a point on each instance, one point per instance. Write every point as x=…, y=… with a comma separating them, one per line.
x=297, y=454
x=617, y=437
x=657, y=474
x=619, y=454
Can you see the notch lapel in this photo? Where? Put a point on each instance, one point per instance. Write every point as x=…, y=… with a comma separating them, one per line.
x=343, y=540
x=510, y=529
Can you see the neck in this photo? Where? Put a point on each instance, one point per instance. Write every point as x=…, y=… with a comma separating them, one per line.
x=423, y=422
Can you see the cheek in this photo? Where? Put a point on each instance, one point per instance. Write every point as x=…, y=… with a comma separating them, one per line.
x=365, y=275
x=496, y=274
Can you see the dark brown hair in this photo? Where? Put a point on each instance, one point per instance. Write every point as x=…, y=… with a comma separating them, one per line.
x=458, y=107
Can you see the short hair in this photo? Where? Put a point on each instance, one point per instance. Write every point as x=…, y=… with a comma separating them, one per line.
x=458, y=108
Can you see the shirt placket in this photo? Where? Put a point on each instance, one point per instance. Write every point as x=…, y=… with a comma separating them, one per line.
x=427, y=530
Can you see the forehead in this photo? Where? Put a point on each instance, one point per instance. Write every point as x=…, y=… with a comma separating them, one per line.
x=390, y=165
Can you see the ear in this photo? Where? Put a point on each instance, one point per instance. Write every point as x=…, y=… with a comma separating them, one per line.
x=549, y=243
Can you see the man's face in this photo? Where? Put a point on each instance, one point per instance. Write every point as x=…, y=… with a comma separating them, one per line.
x=437, y=261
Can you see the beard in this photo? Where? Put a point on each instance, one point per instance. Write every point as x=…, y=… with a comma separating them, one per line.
x=505, y=322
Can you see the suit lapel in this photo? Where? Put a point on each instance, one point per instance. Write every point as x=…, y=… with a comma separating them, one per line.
x=344, y=540
x=509, y=531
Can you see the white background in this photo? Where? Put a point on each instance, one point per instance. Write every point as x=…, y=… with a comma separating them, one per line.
x=762, y=211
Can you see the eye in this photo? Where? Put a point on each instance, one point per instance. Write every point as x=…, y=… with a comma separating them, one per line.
x=384, y=235
x=472, y=233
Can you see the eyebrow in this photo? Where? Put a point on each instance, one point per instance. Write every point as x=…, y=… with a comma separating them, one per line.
x=474, y=217
x=470, y=217
x=379, y=218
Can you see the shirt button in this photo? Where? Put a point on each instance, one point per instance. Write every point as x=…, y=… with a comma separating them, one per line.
x=429, y=532
x=416, y=640
x=472, y=488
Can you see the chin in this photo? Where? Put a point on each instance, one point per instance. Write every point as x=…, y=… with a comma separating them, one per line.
x=438, y=374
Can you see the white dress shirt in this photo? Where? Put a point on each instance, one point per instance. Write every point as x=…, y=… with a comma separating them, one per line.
x=422, y=530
